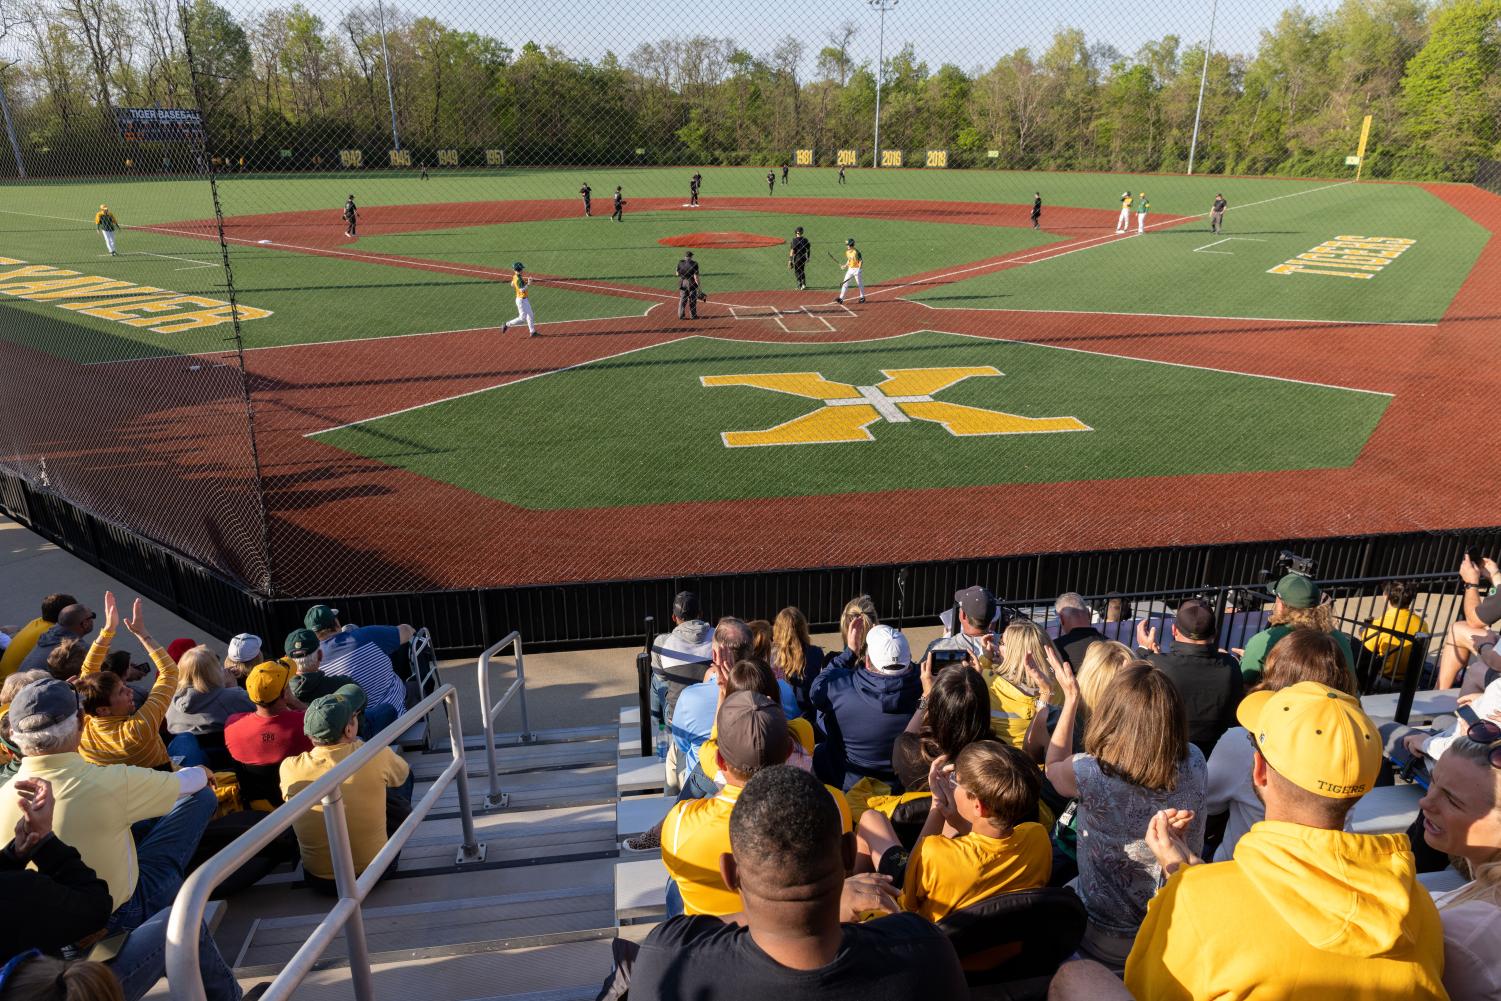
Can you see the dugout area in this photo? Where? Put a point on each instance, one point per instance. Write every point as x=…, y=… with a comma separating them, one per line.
x=1063, y=389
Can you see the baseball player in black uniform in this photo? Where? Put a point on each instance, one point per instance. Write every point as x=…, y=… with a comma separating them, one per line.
x=693, y=190
x=1217, y=213
x=1036, y=210
x=688, y=285
x=588, y=194
x=841, y=173
x=619, y=214
x=797, y=257
x=784, y=172
x=771, y=182
x=351, y=217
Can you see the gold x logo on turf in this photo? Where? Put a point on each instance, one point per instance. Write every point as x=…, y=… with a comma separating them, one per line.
x=906, y=395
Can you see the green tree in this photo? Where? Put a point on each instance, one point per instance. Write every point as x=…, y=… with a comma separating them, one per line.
x=1448, y=119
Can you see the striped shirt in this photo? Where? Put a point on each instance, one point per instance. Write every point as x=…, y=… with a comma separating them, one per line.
x=360, y=656
x=135, y=739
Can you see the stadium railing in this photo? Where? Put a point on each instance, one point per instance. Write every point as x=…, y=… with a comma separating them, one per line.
x=346, y=915
x=495, y=797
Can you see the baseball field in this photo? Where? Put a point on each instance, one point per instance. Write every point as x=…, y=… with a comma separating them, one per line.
x=1001, y=389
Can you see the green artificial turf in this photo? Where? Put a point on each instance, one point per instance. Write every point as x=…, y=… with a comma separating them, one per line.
x=597, y=249
x=641, y=428
x=1186, y=270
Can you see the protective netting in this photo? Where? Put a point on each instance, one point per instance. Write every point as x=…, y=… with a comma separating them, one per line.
x=255, y=259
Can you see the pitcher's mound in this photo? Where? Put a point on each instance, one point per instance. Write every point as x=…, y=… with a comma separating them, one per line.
x=720, y=241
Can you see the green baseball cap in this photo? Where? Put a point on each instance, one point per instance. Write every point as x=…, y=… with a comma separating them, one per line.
x=354, y=695
x=321, y=617
x=326, y=718
x=301, y=642
x=1297, y=591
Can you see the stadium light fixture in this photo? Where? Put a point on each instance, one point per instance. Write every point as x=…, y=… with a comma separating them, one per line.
x=1193, y=145
x=883, y=6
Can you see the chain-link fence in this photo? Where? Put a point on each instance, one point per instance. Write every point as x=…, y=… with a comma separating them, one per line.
x=255, y=259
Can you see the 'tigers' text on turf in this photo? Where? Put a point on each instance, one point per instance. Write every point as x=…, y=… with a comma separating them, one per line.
x=1346, y=257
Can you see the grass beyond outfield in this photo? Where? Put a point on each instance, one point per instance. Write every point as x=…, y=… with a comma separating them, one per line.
x=1186, y=270
x=597, y=249
x=644, y=428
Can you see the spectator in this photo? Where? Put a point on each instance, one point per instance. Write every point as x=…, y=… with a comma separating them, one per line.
x=794, y=658
x=681, y=657
x=1101, y=664
x=978, y=614
x=116, y=732
x=1303, y=655
x=370, y=810
x=309, y=682
x=25, y=639
x=795, y=940
x=753, y=734
x=1137, y=760
x=693, y=713
x=10, y=754
x=46, y=978
x=953, y=713
x=96, y=806
x=364, y=656
x=1386, y=642
x=1481, y=612
x=13, y=684
x=74, y=622
x=1403, y=743
x=855, y=623
x=1304, y=908
x=984, y=799
x=1076, y=632
x=206, y=696
x=245, y=652
x=65, y=902
x=1462, y=819
x=1299, y=604
x=863, y=708
x=180, y=646
x=1208, y=681
x=65, y=662
x=760, y=640
x=274, y=731
x=1015, y=694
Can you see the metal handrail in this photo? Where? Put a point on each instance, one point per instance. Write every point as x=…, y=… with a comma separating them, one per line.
x=488, y=712
x=346, y=915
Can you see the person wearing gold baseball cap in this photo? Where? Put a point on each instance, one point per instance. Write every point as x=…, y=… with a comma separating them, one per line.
x=1304, y=908
x=274, y=732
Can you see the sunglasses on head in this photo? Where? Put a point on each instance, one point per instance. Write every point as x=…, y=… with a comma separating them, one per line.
x=1488, y=733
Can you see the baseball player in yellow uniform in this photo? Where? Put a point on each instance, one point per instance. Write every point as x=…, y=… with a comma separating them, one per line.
x=852, y=264
x=1124, y=222
x=105, y=223
x=523, y=303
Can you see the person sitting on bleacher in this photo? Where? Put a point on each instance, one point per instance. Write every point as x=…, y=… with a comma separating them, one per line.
x=1404, y=743
x=116, y=732
x=1209, y=681
x=1385, y=644
x=245, y=651
x=74, y=622
x=1304, y=908
x=1480, y=612
x=863, y=709
x=1299, y=604
x=795, y=937
x=206, y=696
x=855, y=623
x=753, y=734
x=984, y=799
x=366, y=656
x=681, y=657
x=308, y=682
x=273, y=732
x=1303, y=655
x=979, y=615
x=24, y=641
x=693, y=713
x=372, y=812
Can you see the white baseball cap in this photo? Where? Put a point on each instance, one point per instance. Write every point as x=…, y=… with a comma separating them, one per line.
x=244, y=647
x=888, y=649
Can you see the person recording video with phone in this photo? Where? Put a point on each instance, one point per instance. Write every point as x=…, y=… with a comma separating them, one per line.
x=979, y=616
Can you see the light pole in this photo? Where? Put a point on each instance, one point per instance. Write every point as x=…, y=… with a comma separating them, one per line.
x=1193, y=145
x=385, y=55
x=883, y=6
x=10, y=128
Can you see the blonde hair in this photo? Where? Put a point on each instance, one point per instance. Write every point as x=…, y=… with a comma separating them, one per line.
x=240, y=669
x=789, y=643
x=13, y=684
x=1102, y=662
x=859, y=607
x=200, y=669
x=1141, y=731
x=1486, y=877
x=44, y=978
x=1021, y=638
x=1320, y=617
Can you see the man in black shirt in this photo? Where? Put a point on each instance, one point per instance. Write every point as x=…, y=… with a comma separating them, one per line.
x=619, y=214
x=784, y=172
x=771, y=182
x=841, y=173
x=797, y=257
x=1208, y=681
x=1036, y=209
x=788, y=860
x=693, y=190
x=1075, y=633
x=688, y=285
x=588, y=193
x=351, y=217
x=1217, y=213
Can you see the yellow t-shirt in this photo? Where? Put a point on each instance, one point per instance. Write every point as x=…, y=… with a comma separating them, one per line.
x=1011, y=709
x=694, y=835
x=802, y=732
x=96, y=804
x=364, y=803
x=1126, y=201
x=519, y=284
x=21, y=644
x=946, y=874
x=852, y=258
x=1393, y=648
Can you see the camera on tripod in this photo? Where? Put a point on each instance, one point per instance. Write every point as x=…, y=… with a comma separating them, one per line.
x=1288, y=562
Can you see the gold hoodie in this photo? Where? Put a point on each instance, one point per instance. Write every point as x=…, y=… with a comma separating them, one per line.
x=1299, y=913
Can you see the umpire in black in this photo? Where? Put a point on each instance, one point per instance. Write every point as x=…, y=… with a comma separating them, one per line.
x=687, y=286
x=797, y=257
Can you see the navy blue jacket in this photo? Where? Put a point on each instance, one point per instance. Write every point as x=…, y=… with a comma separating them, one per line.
x=864, y=711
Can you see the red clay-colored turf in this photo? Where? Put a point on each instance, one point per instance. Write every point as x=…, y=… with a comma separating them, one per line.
x=720, y=241
x=379, y=528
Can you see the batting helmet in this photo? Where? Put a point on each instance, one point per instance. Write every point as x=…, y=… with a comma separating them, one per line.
x=850, y=242
x=518, y=266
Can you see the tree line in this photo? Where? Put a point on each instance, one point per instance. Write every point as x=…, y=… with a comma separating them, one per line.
x=286, y=89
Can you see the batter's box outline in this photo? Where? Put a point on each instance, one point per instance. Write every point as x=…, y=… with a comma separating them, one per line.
x=778, y=316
